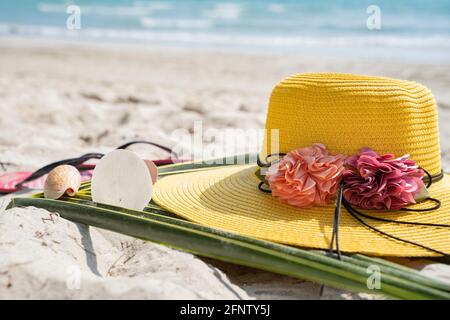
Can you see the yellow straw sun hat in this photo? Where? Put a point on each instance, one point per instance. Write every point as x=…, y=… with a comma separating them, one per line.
x=345, y=113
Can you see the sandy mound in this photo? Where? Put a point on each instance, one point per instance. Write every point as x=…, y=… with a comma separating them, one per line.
x=45, y=256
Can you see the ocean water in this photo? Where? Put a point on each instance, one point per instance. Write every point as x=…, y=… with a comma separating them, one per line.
x=406, y=29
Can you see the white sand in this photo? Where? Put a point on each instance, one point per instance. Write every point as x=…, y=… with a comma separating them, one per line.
x=44, y=256
x=61, y=100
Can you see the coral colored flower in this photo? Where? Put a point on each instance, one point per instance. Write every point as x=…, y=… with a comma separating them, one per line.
x=306, y=177
x=380, y=182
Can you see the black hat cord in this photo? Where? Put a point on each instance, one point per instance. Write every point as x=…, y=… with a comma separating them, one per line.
x=358, y=215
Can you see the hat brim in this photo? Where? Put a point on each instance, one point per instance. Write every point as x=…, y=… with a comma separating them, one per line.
x=228, y=198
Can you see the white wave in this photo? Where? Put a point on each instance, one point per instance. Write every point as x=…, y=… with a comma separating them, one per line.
x=51, y=7
x=155, y=5
x=176, y=23
x=226, y=11
x=139, y=8
x=208, y=38
x=5, y=29
x=276, y=8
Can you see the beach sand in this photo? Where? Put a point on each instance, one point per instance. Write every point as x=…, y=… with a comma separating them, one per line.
x=60, y=100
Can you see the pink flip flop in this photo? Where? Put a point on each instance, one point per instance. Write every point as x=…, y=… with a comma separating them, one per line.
x=15, y=181
x=9, y=180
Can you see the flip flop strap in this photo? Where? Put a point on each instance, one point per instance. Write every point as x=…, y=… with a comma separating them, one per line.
x=168, y=150
x=49, y=167
x=82, y=159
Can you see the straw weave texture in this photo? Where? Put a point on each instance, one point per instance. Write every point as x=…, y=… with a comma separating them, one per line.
x=346, y=113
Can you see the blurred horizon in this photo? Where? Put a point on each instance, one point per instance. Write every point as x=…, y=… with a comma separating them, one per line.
x=416, y=30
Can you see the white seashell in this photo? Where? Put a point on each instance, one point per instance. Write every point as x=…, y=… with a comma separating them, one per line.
x=63, y=179
x=121, y=178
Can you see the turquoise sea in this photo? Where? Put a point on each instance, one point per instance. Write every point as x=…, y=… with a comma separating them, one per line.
x=417, y=30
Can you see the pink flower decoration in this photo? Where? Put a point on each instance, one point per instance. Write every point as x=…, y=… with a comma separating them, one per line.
x=381, y=182
x=306, y=177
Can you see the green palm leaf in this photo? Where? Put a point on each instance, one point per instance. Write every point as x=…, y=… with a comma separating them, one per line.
x=156, y=224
